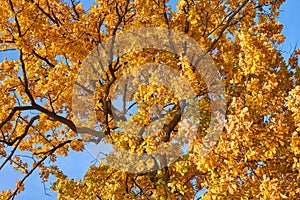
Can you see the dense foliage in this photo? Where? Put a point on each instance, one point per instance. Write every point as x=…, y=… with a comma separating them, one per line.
x=258, y=153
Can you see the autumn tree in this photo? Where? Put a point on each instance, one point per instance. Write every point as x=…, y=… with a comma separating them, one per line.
x=257, y=155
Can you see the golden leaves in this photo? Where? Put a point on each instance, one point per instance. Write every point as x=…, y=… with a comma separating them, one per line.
x=5, y=194
x=258, y=153
x=76, y=145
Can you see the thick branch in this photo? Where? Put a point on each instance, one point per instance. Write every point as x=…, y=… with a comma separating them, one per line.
x=11, y=114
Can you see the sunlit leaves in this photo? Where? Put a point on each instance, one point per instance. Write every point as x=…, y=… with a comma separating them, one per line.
x=258, y=154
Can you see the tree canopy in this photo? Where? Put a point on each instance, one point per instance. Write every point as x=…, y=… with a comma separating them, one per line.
x=257, y=154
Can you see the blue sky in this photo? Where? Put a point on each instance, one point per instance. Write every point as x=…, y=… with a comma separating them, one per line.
x=290, y=18
x=76, y=164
